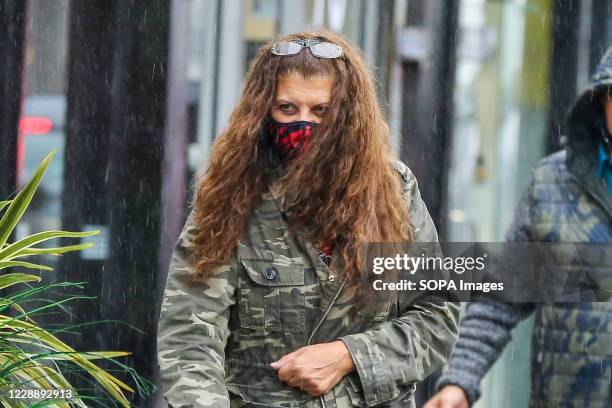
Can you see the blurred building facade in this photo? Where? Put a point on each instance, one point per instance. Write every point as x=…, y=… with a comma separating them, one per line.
x=474, y=91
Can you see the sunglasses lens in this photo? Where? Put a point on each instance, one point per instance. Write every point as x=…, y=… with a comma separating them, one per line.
x=286, y=48
x=326, y=50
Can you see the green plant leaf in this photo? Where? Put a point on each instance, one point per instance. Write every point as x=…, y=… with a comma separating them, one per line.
x=53, y=251
x=4, y=204
x=92, y=355
x=20, y=203
x=10, y=264
x=11, y=279
x=10, y=251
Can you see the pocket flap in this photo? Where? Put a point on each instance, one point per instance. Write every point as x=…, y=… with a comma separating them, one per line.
x=274, y=272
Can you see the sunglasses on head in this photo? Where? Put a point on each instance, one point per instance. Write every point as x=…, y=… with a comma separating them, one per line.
x=317, y=47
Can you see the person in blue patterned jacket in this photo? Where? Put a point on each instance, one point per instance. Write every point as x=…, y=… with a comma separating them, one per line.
x=568, y=199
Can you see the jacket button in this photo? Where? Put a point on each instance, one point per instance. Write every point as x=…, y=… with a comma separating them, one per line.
x=271, y=273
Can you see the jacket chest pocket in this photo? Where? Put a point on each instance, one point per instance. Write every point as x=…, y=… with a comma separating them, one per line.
x=272, y=295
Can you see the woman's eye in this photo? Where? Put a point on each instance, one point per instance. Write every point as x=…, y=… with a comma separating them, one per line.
x=320, y=109
x=285, y=107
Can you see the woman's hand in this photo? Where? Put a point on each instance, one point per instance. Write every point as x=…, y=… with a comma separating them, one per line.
x=315, y=369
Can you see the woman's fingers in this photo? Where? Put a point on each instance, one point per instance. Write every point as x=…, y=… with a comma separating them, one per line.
x=286, y=358
x=285, y=372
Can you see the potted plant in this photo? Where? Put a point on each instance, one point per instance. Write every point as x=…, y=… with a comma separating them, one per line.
x=33, y=360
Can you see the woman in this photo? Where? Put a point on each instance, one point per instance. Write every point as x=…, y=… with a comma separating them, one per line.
x=263, y=304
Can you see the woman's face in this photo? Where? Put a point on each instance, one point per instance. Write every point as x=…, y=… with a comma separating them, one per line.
x=299, y=98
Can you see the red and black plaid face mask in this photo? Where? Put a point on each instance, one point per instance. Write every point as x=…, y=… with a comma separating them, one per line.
x=291, y=138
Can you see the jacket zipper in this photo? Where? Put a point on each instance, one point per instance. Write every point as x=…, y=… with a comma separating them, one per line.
x=314, y=331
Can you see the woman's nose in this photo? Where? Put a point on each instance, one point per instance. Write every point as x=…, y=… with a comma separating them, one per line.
x=307, y=115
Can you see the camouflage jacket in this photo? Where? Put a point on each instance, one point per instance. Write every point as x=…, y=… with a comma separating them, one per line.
x=216, y=341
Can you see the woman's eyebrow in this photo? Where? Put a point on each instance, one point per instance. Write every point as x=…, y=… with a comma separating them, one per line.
x=286, y=101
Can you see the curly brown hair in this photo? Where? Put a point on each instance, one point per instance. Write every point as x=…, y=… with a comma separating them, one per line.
x=345, y=189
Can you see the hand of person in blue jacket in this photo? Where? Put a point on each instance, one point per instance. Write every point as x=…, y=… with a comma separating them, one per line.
x=450, y=396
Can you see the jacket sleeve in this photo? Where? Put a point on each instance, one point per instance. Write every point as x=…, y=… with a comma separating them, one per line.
x=419, y=341
x=486, y=326
x=193, y=331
